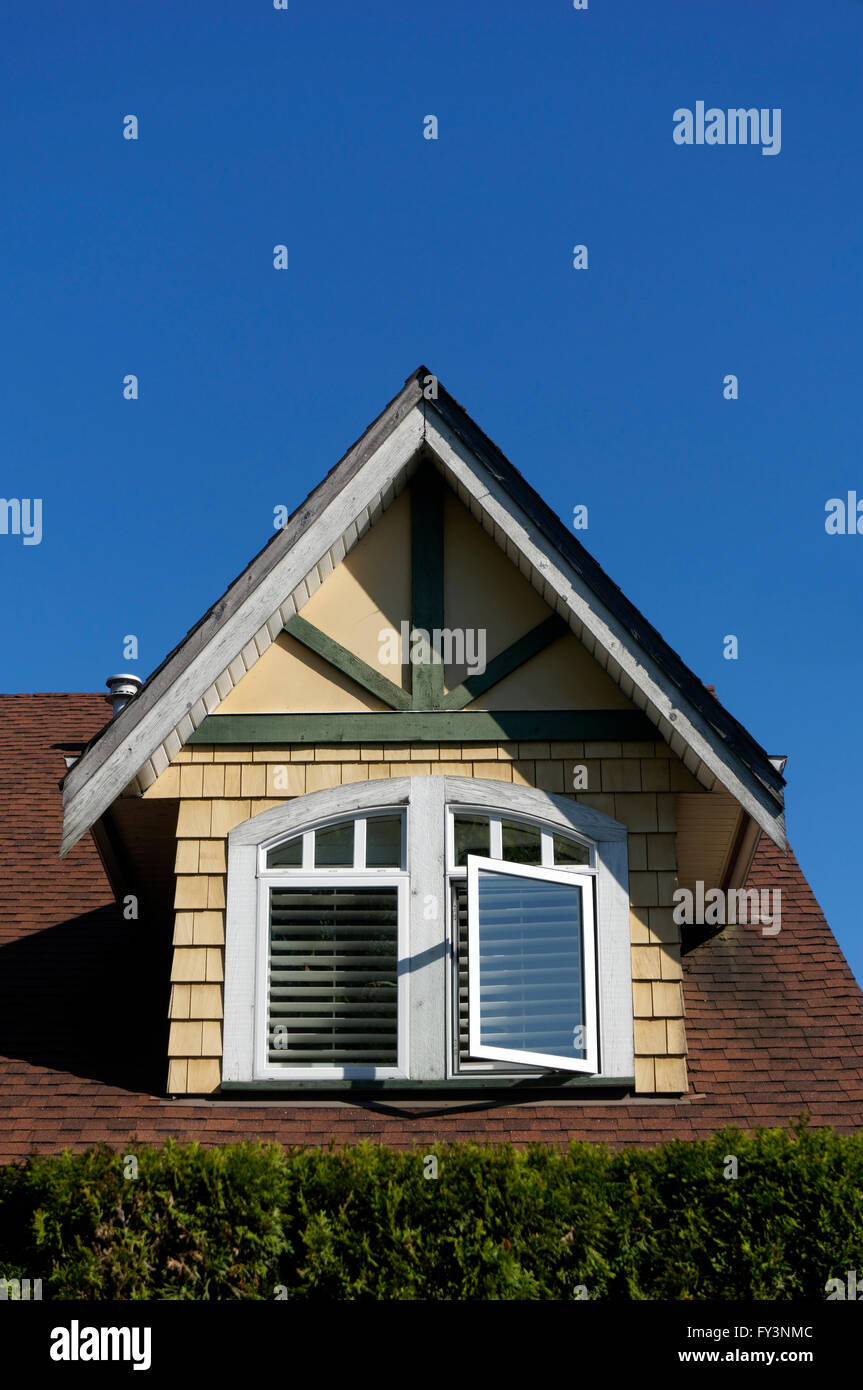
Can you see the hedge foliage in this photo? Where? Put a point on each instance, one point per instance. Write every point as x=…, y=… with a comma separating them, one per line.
x=365, y=1222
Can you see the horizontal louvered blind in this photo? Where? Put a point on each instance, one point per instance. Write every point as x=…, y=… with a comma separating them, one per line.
x=460, y=919
x=333, y=986
x=531, y=984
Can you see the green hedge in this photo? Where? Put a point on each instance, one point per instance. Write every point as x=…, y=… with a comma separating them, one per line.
x=364, y=1222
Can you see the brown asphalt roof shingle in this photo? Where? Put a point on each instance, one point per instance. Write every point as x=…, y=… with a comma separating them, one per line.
x=774, y=1024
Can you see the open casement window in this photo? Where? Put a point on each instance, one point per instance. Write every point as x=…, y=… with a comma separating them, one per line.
x=517, y=840
x=531, y=977
x=443, y=930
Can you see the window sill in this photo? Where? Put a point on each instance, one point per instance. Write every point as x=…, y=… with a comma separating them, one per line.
x=417, y=1102
x=486, y=1085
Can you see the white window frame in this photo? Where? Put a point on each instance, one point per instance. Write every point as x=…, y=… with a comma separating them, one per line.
x=426, y=951
x=539, y=873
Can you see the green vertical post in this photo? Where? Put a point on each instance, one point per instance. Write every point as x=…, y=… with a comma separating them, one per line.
x=427, y=581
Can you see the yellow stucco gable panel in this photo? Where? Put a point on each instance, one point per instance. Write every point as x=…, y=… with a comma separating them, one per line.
x=369, y=591
x=288, y=679
x=564, y=676
x=369, y=594
x=483, y=588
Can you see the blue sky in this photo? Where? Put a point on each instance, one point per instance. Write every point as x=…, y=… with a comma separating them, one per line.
x=604, y=386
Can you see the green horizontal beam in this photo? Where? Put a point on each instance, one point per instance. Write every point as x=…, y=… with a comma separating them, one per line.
x=349, y=665
x=506, y=662
x=427, y=726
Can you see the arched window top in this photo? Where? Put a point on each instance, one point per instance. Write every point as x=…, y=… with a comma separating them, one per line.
x=376, y=840
x=513, y=837
x=365, y=799
x=373, y=841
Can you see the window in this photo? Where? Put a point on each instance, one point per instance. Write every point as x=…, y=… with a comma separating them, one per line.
x=365, y=842
x=518, y=841
x=427, y=929
x=530, y=966
x=333, y=896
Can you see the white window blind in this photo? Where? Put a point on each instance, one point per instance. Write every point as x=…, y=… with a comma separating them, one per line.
x=333, y=975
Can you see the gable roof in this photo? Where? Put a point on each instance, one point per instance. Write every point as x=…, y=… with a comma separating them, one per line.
x=193, y=680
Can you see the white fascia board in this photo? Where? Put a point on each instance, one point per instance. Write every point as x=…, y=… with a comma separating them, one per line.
x=659, y=692
x=101, y=775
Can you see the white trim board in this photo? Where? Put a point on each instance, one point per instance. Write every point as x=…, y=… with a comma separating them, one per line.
x=106, y=770
x=682, y=727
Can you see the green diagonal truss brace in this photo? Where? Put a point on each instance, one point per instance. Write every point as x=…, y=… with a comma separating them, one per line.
x=349, y=665
x=427, y=604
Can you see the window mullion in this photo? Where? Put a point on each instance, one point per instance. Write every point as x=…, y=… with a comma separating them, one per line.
x=426, y=968
x=360, y=843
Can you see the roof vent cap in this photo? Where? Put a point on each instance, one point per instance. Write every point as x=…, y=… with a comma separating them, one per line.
x=122, y=689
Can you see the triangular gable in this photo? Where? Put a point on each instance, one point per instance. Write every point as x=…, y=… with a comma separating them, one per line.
x=201, y=672
x=344, y=653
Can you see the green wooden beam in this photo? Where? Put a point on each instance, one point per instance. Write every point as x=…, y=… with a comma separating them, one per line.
x=349, y=665
x=423, y=726
x=506, y=662
x=427, y=580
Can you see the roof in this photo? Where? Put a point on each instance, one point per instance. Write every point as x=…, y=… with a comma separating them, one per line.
x=189, y=683
x=774, y=1024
